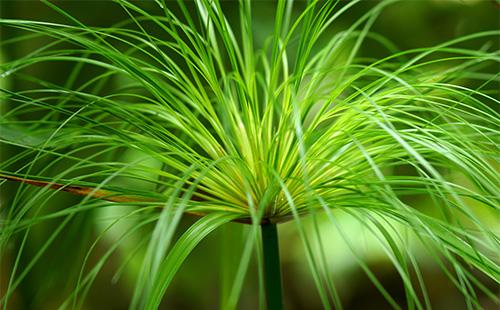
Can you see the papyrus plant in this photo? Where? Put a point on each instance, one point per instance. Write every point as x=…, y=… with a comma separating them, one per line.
x=227, y=130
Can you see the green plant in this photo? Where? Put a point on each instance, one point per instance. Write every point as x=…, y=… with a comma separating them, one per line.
x=214, y=127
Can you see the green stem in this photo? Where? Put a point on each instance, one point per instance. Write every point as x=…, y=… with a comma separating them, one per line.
x=272, y=271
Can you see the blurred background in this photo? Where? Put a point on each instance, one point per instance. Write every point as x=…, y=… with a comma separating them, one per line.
x=409, y=24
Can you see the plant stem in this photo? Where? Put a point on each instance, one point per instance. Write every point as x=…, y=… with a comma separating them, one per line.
x=272, y=270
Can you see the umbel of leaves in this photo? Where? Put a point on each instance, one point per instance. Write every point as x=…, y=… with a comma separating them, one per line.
x=185, y=112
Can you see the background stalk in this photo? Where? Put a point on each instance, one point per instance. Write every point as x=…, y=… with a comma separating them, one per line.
x=272, y=270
